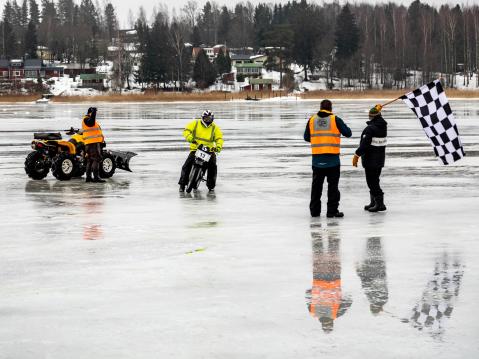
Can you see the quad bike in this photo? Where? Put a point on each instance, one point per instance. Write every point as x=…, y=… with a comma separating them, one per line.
x=67, y=158
x=202, y=157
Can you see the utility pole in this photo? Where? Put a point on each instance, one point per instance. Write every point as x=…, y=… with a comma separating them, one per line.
x=120, y=75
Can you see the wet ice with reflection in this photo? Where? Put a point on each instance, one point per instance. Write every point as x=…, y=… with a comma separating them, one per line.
x=132, y=291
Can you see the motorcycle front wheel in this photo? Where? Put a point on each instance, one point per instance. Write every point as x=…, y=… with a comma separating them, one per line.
x=194, y=179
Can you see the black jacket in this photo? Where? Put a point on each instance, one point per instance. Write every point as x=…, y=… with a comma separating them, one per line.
x=372, y=148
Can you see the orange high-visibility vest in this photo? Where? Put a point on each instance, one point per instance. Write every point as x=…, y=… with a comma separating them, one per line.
x=92, y=134
x=325, y=135
x=325, y=298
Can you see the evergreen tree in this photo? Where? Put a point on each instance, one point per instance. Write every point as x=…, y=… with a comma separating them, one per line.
x=9, y=40
x=263, y=17
x=224, y=26
x=204, y=73
x=280, y=38
x=34, y=12
x=111, y=21
x=31, y=41
x=347, y=41
x=24, y=15
x=347, y=34
x=223, y=63
x=9, y=48
x=196, y=37
x=307, y=33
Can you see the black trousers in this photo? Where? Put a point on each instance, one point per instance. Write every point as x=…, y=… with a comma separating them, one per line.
x=372, y=179
x=212, y=170
x=332, y=175
x=93, y=159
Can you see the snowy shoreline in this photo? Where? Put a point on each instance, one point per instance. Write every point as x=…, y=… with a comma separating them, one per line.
x=293, y=98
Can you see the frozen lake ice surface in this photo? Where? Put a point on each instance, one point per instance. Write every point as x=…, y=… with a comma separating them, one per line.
x=133, y=269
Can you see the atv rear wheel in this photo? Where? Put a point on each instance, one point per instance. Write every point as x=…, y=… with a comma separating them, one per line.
x=35, y=166
x=194, y=179
x=107, y=165
x=64, y=166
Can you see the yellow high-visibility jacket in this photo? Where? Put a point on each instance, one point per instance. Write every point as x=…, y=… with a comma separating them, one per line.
x=210, y=136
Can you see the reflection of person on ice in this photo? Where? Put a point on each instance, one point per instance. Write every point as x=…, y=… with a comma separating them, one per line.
x=204, y=132
x=372, y=151
x=324, y=131
x=93, y=138
x=326, y=300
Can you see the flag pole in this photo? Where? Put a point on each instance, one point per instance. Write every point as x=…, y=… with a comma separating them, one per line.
x=392, y=101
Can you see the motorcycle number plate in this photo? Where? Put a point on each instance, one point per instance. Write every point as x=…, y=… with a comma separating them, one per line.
x=203, y=155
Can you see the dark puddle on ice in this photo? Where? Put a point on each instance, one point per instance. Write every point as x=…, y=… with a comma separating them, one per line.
x=206, y=224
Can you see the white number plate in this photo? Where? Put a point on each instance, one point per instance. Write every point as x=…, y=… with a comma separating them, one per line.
x=203, y=155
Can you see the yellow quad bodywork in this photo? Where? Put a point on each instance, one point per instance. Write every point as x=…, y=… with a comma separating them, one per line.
x=77, y=137
x=69, y=146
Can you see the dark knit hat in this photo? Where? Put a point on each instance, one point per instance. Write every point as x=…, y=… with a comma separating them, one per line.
x=376, y=110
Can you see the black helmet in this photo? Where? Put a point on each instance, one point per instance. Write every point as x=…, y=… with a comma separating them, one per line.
x=207, y=117
x=92, y=112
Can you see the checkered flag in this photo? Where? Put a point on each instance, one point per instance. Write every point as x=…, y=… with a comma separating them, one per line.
x=431, y=106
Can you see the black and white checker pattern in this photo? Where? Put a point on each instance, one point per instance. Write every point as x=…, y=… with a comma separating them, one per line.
x=438, y=299
x=431, y=106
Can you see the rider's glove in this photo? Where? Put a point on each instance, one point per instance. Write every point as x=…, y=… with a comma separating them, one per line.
x=190, y=138
x=218, y=149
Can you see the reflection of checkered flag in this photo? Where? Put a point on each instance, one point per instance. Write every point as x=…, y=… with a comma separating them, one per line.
x=437, y=302
x=431, y=106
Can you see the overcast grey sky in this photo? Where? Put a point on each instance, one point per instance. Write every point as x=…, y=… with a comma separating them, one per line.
x=124, y=6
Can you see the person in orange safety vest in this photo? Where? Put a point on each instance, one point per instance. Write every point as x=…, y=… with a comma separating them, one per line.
x=324, y=131
x=93, y=138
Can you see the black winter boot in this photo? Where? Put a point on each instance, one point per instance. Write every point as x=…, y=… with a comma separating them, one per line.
x=371, y=204
x=378, y=205
x=336, y=214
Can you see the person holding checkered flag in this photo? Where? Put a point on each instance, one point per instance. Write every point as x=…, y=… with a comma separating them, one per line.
x=372, y=151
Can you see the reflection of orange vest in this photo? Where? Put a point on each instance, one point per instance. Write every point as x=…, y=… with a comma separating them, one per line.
x=325, y=135
x=325, y=298
x=92, y=134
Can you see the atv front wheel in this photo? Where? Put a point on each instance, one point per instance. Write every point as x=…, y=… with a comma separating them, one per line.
x=194, y=179
x=64, y=166
x=107, y=165
x=35, y=166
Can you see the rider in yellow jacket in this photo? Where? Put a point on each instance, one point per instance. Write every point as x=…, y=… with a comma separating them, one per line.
x=202, y=131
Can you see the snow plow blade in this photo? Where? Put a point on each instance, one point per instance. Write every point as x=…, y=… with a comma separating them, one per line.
x=122, y=159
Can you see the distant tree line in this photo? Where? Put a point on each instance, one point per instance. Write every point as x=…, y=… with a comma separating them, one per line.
x=387, y=45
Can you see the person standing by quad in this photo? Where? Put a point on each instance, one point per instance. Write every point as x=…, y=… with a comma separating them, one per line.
x=93, y=138
x=372, y=151
x=324, y=131
x=202, y=131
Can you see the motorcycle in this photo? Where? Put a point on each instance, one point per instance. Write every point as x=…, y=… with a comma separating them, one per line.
x=202, y=157
x=67, y=158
